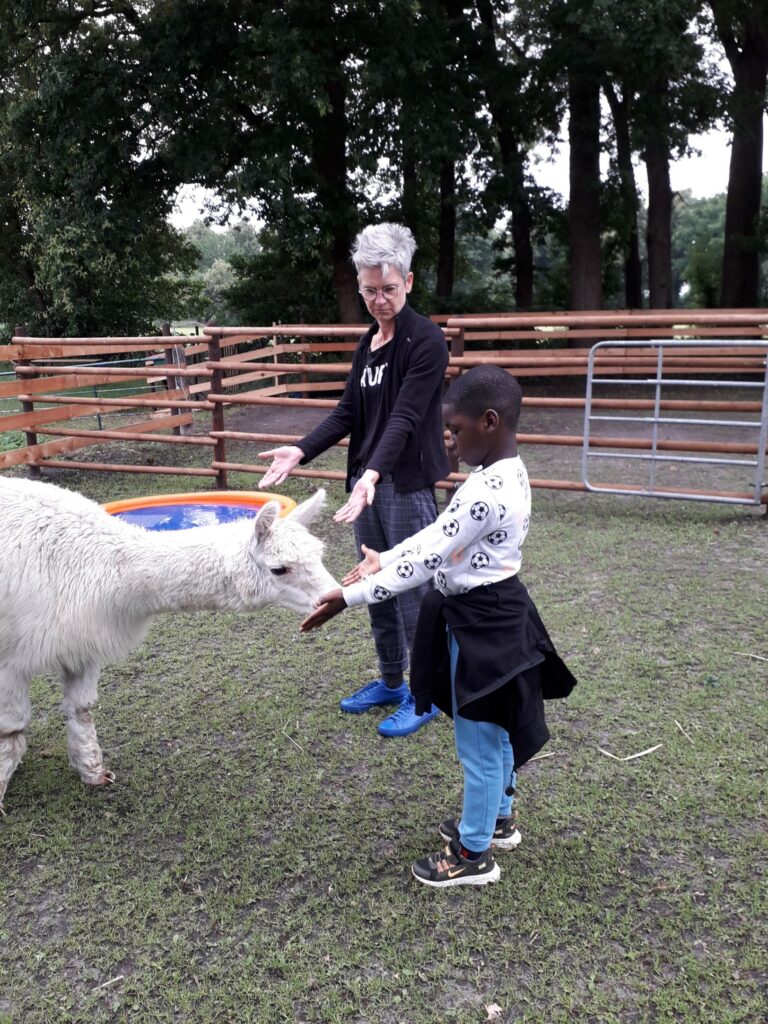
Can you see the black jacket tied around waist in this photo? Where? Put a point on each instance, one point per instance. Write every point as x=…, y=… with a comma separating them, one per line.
x=507, y=665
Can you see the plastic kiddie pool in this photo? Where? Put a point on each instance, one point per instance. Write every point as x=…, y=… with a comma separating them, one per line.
x=196, y=508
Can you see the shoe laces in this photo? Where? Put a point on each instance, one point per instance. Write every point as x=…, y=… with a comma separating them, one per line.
x=374, y=684
x=405, y=709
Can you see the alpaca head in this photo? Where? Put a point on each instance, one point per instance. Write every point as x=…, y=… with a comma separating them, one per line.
x=289, y=557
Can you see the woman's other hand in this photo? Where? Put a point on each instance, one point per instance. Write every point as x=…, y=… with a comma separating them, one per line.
x=362, y=495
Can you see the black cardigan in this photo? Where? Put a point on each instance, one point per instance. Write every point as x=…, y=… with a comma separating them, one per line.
x=507, y=663
x=411, y=447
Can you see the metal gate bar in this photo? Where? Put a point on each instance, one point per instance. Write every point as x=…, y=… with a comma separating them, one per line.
x=654, y=458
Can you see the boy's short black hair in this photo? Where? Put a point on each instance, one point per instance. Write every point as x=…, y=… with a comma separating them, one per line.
x=483, y=388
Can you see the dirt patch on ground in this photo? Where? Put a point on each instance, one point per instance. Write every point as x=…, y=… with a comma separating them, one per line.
x=275, y=419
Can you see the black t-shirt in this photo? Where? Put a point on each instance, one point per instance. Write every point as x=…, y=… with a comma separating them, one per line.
x=374, y=371
x=410, y=443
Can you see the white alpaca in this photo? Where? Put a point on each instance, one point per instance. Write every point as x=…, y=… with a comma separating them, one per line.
x=80, y=588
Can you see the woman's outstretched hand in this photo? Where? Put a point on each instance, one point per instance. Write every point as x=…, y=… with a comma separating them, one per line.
x=369, y=565
x=283, y=461
x=362, y=495
x=327, y=607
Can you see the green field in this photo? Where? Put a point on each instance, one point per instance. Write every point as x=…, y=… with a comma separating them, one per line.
x=251, y=862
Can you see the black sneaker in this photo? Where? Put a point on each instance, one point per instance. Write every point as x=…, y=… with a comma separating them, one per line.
x=506, y=835
x=448, y=867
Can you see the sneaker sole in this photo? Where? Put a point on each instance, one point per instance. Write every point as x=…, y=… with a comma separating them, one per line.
x=491, y=876
x=394, y=733
x=368, y=707
x=510, y=843
x=399, y=733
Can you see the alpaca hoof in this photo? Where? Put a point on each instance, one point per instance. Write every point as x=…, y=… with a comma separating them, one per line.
x=104, y=778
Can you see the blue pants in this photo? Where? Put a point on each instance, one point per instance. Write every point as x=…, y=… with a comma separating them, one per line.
x=486, y=756
x=391, y=519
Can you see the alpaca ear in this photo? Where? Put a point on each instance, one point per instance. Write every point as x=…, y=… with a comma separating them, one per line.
x=265, y=520
x=307, y=510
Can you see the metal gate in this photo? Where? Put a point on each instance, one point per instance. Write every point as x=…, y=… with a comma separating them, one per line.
x=664, y=363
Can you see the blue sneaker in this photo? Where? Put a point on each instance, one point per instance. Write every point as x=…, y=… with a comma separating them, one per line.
x=373, y=695
x=404, y=721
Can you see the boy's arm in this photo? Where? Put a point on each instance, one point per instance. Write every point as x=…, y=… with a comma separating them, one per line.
x=417, y=559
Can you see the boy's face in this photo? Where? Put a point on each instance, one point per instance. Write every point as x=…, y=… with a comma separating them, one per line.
x=470, y=437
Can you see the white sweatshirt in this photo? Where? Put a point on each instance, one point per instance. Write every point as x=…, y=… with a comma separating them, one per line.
x=477, y=540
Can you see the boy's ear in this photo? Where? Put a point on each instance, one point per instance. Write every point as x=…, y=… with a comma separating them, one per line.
x=492, y=419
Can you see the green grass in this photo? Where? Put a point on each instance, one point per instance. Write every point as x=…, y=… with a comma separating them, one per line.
x=251, y=863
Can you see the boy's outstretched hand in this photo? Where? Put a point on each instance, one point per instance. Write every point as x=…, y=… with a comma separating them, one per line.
x=328, y=606
x=369, y=565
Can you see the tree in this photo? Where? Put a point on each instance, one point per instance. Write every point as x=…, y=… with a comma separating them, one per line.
x=423, y=84
x=269, y=106
x=498, y=43
x=742, y=27
x=680, y=97
x=660, y=88
x=697, y=249
x=620, y=103
x=84, y=194
x=571, y=33
x=212, y=245
x=285, y=281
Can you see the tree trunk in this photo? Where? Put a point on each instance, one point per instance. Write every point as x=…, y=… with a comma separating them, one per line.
x=410, y=194
x=741, y=253
x=659, y=232
x=490, y=70
x=446, y=251
x=633, y=280
x=521, y=222
x=329, y=159
x=345, y=281
x=584, y=199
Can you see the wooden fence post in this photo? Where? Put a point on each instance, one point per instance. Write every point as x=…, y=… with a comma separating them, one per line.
x=26, y=406
x=457, y=344
x=217, y=413
x=170, y=383
x=457, y=350
x=303, y=394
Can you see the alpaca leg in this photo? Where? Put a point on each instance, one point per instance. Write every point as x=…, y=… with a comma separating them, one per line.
x=85, y=756
x=15, y=713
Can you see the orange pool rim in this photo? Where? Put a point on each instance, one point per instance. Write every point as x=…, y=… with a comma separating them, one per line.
x=249, y=499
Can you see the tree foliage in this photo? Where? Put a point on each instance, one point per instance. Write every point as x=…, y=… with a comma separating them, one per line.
x=316, y=117
x=84, y=190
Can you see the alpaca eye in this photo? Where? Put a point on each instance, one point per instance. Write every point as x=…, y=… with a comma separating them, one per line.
x=279, y=570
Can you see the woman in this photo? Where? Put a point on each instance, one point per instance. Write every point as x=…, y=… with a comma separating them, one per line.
x=392, y=410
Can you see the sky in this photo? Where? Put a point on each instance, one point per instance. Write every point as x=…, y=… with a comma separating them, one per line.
x=705, y=174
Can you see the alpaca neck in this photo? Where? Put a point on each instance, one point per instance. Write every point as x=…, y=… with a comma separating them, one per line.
x=193, y=571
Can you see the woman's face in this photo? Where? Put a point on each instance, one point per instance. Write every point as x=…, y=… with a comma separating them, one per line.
x=384, y=297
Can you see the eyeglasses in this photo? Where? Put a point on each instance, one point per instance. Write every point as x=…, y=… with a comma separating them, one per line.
x=389, y=291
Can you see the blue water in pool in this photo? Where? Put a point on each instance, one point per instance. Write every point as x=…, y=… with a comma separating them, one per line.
x=184, y=517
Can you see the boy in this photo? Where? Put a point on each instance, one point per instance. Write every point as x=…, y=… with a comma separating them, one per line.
x=498, y=663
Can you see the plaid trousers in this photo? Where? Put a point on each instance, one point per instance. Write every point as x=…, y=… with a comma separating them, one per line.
x=390, y=520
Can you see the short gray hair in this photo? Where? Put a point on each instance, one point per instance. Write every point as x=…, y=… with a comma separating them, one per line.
x=384, y=245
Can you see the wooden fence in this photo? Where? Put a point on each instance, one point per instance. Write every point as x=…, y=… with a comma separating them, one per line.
x=306, y=365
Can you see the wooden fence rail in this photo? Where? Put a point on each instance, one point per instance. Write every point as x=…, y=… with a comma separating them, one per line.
x=292, y=365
